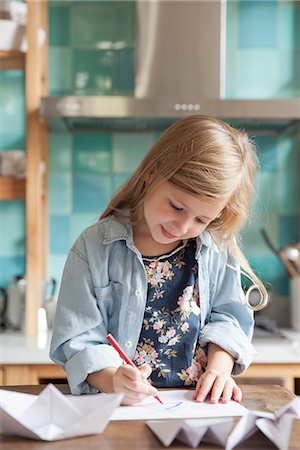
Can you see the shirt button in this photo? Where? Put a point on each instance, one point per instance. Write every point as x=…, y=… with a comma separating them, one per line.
x=138, y=292
x=128, y=344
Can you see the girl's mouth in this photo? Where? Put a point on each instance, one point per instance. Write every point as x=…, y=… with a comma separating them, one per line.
x=167, y=234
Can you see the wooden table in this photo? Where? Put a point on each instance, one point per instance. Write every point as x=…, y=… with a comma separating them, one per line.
x=135, y=435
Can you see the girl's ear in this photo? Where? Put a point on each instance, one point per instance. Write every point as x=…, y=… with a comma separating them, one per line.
x=149, y=177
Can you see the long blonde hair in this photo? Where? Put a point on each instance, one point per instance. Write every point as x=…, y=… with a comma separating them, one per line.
x=205, y=157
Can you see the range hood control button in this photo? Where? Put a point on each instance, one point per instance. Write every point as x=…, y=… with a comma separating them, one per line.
x=187, y=106
x=69, y=107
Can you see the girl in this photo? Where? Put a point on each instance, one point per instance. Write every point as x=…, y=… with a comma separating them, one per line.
x=161, y=271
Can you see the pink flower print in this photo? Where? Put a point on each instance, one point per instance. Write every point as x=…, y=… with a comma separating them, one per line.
x=171, y=332
x=200, y=356
x=185, y=327
x=194, y=371
x=158, y=325
x=163, y=339
x=145, y=354
x=174, y=340
x=195, y=308
x=184, y=302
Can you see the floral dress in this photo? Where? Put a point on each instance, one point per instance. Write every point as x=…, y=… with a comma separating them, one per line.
x=171, y=326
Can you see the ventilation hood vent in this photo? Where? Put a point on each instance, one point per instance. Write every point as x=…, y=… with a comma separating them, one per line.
x=180, y=70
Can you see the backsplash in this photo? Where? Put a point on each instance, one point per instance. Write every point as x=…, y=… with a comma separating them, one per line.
x=85, y=169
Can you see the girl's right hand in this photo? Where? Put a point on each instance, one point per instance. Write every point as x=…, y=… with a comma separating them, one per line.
x=133, y=383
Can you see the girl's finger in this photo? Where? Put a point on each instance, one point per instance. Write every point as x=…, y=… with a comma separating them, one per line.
x=205, y=388
x=227, y=392
x=237, y=393
x=145, y=371
x=217, y=390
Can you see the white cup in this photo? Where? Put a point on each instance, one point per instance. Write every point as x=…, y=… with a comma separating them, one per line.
x=295, y=302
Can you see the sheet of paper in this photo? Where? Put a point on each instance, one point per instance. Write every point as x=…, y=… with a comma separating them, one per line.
x=178, y=404
x=52, y=415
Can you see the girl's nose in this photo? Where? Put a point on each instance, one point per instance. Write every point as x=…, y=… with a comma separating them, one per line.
x=182, y=227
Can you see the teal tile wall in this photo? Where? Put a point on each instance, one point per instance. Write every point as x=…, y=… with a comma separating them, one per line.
x=263, y=49
x=12, y=137
x=92, y=51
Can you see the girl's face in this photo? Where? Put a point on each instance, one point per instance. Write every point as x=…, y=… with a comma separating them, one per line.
x=172, y=215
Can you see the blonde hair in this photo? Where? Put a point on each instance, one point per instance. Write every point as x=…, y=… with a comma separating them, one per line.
x=205, y=157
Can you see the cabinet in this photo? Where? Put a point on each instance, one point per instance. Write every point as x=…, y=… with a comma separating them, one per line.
x=33, y=189
x=22, y=374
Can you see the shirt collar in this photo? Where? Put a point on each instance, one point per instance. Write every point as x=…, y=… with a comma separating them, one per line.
x=116, y=230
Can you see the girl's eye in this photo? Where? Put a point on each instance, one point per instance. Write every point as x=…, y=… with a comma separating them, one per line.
x=175, y=207
x=200, y=221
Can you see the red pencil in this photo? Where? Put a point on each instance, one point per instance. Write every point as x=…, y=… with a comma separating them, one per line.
x=123, y=355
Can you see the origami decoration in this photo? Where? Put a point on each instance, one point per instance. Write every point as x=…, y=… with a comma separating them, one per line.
x=275, y=426
x=51, y=415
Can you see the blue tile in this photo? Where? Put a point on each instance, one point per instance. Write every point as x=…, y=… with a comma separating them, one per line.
x=268, y=268
x=12, y=103
x=253, y=242
x=92, y=153
x=60, y=70
x=10, y=266
x=12, y=228
x=119, y=179
x=12, y=141
x=288, y=231
x=60, y=152
x=59, y=24
x=60, y=193
x=129, y=149
x=59, y=234
x=267, y=152
x=288, y=194
x=266, y=193
x=79, y=222
x=56, y=265
x=91, y=193
x=258, y=24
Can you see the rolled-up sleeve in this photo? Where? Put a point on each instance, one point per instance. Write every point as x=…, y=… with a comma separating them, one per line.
x=230, y=322
x=79, y=335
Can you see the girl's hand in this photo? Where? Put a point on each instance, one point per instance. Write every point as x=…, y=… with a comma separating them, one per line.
x=220, y=385
x=133, y=383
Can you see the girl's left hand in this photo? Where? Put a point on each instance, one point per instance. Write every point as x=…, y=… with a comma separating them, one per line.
x=220, y=386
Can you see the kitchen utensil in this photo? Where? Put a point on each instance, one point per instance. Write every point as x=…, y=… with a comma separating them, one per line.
x=283, y=254
x=295, y=303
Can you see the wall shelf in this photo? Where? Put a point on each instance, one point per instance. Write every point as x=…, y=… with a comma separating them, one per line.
x=12, y=60
x=12, y=188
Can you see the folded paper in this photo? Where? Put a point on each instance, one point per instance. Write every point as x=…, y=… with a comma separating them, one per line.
x=52, y=416
x=221, y=431
x=192, y=431
x=277, y=426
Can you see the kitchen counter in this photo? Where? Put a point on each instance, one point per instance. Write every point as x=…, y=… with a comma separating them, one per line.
x=28, y=357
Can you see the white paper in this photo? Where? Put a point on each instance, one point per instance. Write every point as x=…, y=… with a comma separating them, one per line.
x=193, y=431
x=178, y=404
x=51, y=415
x=275, y=426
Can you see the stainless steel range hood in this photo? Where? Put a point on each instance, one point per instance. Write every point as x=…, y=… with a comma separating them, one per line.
x=180, y=70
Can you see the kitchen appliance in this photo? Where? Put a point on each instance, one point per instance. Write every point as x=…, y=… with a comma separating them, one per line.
x=180, y=66
x=15, y=307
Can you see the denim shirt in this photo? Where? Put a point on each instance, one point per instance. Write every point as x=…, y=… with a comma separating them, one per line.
x=104, y=290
